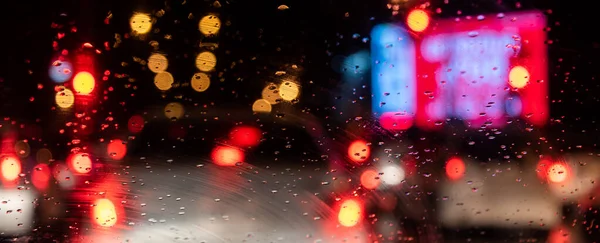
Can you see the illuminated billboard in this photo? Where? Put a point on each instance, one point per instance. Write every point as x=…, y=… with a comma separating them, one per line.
x=482, y=70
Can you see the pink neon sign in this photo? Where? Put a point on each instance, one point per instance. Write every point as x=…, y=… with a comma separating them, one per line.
x=481, y=70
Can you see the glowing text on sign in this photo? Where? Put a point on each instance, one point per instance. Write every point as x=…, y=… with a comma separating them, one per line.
x=481, y=71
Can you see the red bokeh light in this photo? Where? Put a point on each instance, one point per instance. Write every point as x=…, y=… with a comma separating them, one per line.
x=455, y=169
x=40, y=176
x=135, y=124
x=116, y=149
x=245, y=136
x=227, y=156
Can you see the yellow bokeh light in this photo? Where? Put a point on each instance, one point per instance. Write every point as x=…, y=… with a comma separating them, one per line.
x=64, y=98
x=261, y=105
x=350, y=213
x=158, y=63
x=140, y=23
x=22, y=149
x=271, y=94
x=417, y=20
x=518, y=77
x=288, y=91
x=209, y=24
x=84, y=83
x=174, y=110
x=163, y=81
x=105, y=213
x=200, y=82
x=206, y=61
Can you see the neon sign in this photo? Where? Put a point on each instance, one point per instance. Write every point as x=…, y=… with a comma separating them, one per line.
x=481, y=70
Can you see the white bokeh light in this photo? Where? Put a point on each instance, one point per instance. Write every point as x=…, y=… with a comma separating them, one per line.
x=392, y=175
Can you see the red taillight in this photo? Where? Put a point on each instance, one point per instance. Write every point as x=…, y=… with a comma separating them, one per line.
x=553, y=171
x=245, y=136
x=455, y=169
x=227, y=156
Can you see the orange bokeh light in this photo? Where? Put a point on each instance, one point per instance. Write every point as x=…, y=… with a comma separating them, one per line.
x=417, y=20
x=104, y=213
x=359, y=151
x=116, y=149
x=11, y=168
x=227, y=156
x=455, y=169
x=84, y=83
x=350, y=213
x=369, y=179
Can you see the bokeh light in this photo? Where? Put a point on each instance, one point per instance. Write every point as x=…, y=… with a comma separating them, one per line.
x=518, y=77
x=140, y=23
x=60, y=71
x=227, y=156
x=417, y=20
x=288, y=91
x=261, y=106
x=163, y=81
x=542, y=168
x=64, y=176
x=158, y=63
x=558, y=172
x=116, y=149
x=84, y=83
x=64, y=98
x=40, y=176
x=209, y=25
x=135, y=124
x=369, y=179
x=11, y=168
x=359, y=151
x=392, y=174
x=206, y=61
x=200, y=82
x=174, y=110
x=350, y=213
x=80, y=163
x=22, y=149
x=104, y=212
x=271, y=93
x=245, y=136
x=43, y=156
x=455, y=169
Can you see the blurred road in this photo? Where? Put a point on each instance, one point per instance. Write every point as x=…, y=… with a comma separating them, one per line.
x=183, y=200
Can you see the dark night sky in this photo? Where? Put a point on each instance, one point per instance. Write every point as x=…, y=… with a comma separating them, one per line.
x=304, y=34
